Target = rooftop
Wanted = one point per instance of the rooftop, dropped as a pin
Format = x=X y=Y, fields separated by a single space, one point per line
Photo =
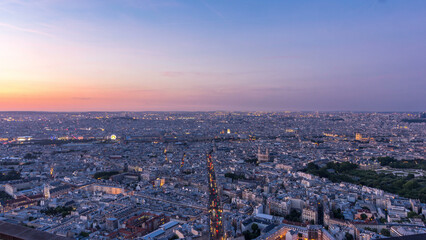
x=13 y=231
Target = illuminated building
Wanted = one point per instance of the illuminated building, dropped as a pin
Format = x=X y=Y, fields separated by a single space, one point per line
x=139 y=225
x=310 y=214
x=46 y=190
x=358 y=137
x=13 y=188
x=22 y=201
x=293 y=232
x=58 y=191
x=276 y=206
x=159 y=182
x=24 y=138
x=263 y=157
x=105 y=188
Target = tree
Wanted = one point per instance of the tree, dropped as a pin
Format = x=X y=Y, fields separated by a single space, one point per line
x=349 y=236
x=29 y=156
x=84 y=234
x=246 y=234
x=410 y=176
x=252 y=161
x=174 y=237
x=412 y=214
x=252 y=234
x=254 y=227
x=105 y=175
x=338 y=214
x=411 y=184
x=385 y=232
x=312 y=167
x=294 y=216
x=371 y=229
x=11 y=175
x=235 y=176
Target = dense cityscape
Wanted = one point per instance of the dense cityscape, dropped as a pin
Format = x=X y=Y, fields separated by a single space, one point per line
x=212 y=175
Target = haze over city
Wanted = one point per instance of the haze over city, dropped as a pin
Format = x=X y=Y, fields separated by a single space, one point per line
x=212 y=55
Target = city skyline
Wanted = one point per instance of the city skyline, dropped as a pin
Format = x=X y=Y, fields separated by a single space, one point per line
x=212 y=175
x=207 y=56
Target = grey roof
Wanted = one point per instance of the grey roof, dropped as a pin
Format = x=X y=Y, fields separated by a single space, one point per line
x=60 y=188
x=409 y=237
x=13 y=231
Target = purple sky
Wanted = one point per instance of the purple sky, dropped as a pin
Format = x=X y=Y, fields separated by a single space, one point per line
x=364 y=55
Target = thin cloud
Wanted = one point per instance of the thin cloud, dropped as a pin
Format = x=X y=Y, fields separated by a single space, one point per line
x=206 y=74
x=184 y=74
x=282 y=57
x=21 y=29
x=145 y=90
x=278 y=89
x=6 y=10
x=216 y=12
x=150 y=4
x=82 y=98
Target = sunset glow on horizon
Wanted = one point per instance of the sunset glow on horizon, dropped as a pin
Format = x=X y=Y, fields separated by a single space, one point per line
x=212 y=55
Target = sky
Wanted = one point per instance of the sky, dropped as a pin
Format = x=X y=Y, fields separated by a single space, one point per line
x=201 y=55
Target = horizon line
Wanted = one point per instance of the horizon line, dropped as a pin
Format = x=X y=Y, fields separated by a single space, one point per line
x=207 y=111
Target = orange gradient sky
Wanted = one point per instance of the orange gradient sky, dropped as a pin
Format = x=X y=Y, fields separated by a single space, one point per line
x=131 y=55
